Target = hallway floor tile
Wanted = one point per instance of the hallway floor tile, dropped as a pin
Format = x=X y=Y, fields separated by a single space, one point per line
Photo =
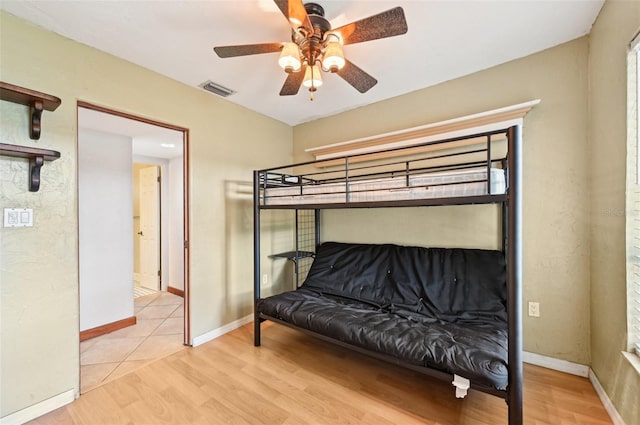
x=158 y=332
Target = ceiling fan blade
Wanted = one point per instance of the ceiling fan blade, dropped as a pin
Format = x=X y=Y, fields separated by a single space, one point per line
x=247 y=49
x=385 y=24
x=355 y=76
x=295 y=13
x=293 y=82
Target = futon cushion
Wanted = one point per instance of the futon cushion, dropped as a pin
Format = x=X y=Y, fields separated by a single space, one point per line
x=434 y=307
x=476 y=352
x=448 y=284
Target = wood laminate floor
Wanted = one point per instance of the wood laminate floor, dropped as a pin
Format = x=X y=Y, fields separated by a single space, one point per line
x=297 y=379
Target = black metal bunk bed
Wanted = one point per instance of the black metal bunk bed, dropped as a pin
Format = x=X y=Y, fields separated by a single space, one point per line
x=304 y=191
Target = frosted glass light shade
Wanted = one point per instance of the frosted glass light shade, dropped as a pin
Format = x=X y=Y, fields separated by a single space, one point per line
x=290 y=58
x=312 y=77
x=333 y=57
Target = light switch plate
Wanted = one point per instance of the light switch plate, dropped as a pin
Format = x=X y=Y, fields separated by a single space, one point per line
x=18 y=217
x=534 y=309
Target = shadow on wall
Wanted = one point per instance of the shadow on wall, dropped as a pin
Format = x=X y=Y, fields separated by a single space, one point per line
x=276 y=236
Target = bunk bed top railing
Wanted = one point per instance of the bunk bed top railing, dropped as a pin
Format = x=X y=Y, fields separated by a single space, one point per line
x=346 y=180
x=501 y=131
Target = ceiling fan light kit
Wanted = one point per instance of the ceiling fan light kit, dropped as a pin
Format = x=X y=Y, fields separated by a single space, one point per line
x=333 y=58
x=315 y=46
x=312 y=78
x=290 y=58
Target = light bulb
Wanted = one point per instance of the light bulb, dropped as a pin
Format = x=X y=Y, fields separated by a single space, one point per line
x=290 y=58
x=312 y=78
x=333 y=59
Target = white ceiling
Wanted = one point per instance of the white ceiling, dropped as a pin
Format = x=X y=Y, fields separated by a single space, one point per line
x=446 y=40
x=147 y=139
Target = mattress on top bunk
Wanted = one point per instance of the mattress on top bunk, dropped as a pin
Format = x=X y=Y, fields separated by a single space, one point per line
x=447 y=184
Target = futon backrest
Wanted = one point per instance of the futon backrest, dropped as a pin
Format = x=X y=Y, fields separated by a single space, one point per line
x=444 y=284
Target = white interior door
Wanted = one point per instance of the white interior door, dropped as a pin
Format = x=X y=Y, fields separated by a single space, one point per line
x=149 y=227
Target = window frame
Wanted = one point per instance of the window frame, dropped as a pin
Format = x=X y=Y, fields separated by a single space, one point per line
x=633 y=197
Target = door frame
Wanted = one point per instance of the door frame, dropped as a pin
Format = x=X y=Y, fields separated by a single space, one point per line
x=185 y=190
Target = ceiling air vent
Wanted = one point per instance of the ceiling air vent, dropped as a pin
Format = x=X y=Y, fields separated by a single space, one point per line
x=217 y=89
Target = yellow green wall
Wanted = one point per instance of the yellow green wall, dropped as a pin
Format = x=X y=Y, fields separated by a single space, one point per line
x=616 y=26
x=574 y=156
x=38 y=266
x=556 y=175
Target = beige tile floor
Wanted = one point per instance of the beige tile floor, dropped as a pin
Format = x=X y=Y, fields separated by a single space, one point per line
x=158 y=332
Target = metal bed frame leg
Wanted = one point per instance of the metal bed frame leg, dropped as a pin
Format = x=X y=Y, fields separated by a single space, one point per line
x=514 y=275
x=296 y=258
x=256 y=257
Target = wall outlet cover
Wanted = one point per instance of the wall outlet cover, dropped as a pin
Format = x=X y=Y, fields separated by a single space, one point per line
x=18 y=217
x=534 y=309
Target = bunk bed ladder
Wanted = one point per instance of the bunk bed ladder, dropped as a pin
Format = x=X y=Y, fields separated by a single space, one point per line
x=307 y=235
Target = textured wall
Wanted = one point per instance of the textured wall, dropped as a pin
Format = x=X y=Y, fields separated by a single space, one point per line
x=38 y=266
x=556 y=203
x=39 y=323
x=615 y=27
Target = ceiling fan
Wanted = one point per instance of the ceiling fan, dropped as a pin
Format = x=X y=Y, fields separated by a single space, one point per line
x=316 y=46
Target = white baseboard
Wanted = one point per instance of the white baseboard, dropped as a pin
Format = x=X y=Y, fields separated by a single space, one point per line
x=606 y=401
x=556 y=364
x=580 y=370
x=199 y=340
x=29 y=413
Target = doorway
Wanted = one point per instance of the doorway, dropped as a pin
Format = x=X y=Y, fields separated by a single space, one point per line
x=155 y=253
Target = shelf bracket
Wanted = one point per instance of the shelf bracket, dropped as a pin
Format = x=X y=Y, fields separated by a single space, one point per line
x=36 y=116
x=35 y=163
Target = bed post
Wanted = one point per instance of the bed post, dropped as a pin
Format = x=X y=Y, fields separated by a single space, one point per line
x=256 y=257
x=316 y=222
x=505 y=210
x=514 y=274
x=504 y=207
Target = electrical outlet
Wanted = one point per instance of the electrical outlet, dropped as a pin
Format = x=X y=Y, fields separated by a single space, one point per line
x=265 y=279
x=534 y=309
